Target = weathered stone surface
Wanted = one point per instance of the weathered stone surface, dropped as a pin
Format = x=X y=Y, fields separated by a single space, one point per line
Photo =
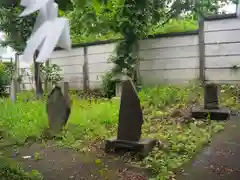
x=130 y=115
x=143 y=146
x=130 y=125
x=211 y=105
x=214 y=114
x=211 y=93
x=58 y=109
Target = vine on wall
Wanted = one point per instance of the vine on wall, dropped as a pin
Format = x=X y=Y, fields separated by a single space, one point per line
x=134 y=18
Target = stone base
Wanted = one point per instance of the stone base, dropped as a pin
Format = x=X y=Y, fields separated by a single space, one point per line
x=144 y=146
x=215 y=114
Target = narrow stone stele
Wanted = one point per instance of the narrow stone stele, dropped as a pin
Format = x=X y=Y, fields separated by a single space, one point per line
x=58 y=109
x=130 y=124
x=211 y=96
x=211 y=105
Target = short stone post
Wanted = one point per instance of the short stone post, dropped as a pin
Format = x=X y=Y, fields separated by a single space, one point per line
x=211 y=105
x=211 y=96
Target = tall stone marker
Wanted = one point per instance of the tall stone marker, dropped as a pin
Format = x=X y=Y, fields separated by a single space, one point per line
x=58 y=109
x=130 y=124
x=211 y=96
x=130 y=116
x=211 y=105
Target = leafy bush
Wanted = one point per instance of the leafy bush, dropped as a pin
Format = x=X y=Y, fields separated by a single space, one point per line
x=11 y=171
x=175 y=25
x=167 y=95
x=51 y=73
x=4 y=79
x=108 y=85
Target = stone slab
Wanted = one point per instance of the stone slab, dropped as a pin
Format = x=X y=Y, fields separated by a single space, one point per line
x=220 y=114
x=143 y=146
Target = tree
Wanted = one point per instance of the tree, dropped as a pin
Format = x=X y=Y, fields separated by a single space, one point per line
x=132 y=20
x=129 y=19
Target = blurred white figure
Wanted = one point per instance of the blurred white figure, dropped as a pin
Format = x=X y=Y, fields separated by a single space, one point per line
x=49 y=30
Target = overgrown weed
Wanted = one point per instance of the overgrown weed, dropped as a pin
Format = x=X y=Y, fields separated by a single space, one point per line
x=9 y=170
x=94 y=121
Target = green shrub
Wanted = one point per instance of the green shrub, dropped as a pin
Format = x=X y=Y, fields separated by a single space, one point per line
x=4 y=80
x=12 y=171
x=51 y=73
x=108 y=85
x=175 y=25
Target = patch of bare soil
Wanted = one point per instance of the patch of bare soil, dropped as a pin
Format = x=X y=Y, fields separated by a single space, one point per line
x=56 y=163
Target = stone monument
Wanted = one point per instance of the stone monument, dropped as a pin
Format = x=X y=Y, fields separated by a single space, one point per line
x=211 y=105
x=130 y=124
x=211 y=96
x=58 y=108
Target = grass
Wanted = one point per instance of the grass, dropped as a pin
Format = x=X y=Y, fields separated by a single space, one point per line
x=12 y=171
x=93 y=122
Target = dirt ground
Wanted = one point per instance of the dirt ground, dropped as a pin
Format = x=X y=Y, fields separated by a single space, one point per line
x=56 y=163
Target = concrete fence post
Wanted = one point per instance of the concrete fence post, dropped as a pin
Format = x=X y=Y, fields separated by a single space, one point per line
x=85 y=70
x=201 y=47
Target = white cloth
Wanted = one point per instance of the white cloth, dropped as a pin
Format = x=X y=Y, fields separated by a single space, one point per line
x=33 y=6
x=49 y=30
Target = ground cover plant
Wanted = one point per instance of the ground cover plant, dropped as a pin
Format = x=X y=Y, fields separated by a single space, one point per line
x=167 y=119
x=12 y=171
